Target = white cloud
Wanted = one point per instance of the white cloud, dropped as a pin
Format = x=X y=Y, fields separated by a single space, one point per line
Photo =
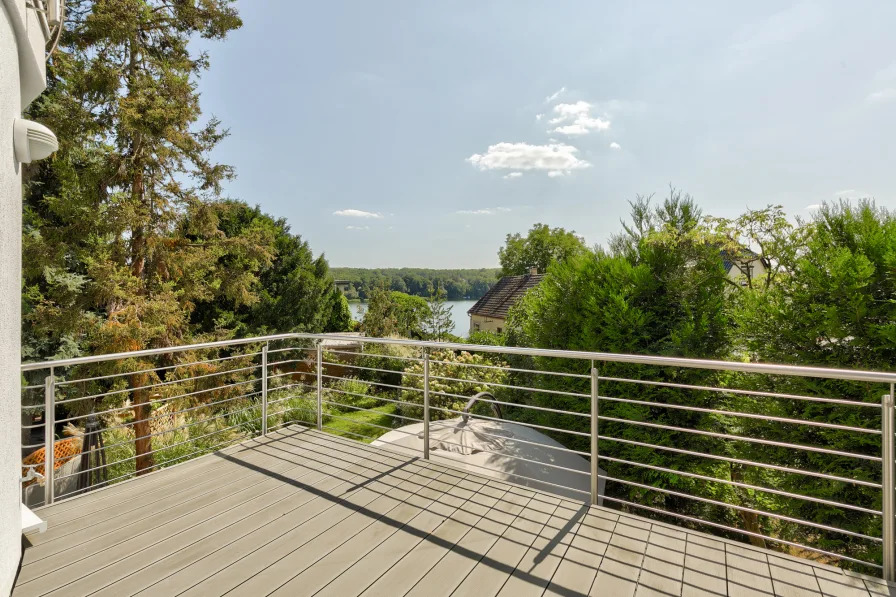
x=513 y=175
x=357 y=213
x=523 y=156
x=845 y=193
x=614 y=145
x=357 y=227
x=555 y=95
x=558 y=173
x=539 y=117
x=578 y=119
x=813 y=206
x=884 y=95
x=487 y=211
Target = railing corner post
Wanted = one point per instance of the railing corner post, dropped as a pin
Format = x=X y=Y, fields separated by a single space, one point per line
x=49 y=438
x=264 y=390
x=888 y=477
x=426 y=405
x=595 y=410
x=320 y=384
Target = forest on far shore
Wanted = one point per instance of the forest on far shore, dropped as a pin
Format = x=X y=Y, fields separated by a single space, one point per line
x=458 y=283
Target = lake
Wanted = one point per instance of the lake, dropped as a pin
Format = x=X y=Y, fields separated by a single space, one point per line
x=458 y=314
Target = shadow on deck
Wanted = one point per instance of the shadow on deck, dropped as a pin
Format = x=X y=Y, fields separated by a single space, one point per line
x=306 y=513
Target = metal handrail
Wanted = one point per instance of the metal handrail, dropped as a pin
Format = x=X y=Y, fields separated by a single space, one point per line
x=718 y=365
x=320 y=401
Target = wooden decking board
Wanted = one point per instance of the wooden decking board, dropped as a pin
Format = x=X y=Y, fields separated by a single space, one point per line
x=379 y=496
x=247 y=542
x=133 y=539
x=107 y=532
x=183 y=492
x=455 y=564
x=413 y=515
x=130 y=568
x=306 y=513
x=157 y=482
x=704 y=567
x=581 y=562
x=210 y=557
x=399 y=579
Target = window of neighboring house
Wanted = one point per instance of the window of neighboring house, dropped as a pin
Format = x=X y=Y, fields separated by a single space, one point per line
x=499 y=330
x=476 y=326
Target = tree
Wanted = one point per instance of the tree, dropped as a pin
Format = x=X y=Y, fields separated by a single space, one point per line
x=394 y=313
x=438 y=322
x=541 y=247
x=759 y=236
x=123 y=99
x=340 y=316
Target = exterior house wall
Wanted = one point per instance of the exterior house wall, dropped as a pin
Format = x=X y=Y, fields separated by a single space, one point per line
x=486 y=324
x=10 y=309
x=22 y=78
x=758 y=271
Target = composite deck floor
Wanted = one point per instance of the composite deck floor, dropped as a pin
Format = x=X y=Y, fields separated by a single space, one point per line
x=306 y=513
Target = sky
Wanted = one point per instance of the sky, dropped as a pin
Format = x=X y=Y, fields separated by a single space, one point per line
x=418 y=134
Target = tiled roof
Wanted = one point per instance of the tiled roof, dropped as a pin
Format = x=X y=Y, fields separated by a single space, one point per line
x=503 y=295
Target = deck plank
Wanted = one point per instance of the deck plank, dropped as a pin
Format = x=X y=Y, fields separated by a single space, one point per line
x=302 y=512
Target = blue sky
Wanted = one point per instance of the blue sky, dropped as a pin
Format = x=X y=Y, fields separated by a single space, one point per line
x=420 y=133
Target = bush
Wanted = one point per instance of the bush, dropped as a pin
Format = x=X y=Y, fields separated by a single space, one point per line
x=450 y=394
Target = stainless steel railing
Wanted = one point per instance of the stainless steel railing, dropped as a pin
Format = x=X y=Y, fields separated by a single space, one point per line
x=807 y=471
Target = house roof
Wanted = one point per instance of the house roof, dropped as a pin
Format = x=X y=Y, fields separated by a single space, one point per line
x=729 y=258
x=503 y=295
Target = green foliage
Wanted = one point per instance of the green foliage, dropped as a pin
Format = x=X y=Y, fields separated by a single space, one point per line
x=438 y=323
x=827 y=298
x=476 y=369
x=541 y=247
x=458 y=283
x=391 y=313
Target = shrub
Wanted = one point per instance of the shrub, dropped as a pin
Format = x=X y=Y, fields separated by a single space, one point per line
x=448 y=393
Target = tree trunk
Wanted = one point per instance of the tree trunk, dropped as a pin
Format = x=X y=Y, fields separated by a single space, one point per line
x=145 y=462
x=750 y=520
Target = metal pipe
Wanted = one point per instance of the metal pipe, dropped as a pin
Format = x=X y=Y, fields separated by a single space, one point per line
x=736 y=391
x=346 y=365
x=510 y=387
x=426 y=405
x=49 y=437
x=832 y=554
x=788 y=494
x=264 y=389
x=320 y=383
x=118 y=356
x=789 y=370
x=595 y=416
x=773 y=467
x=741 y=438
x=731 y=413
x=888 y=501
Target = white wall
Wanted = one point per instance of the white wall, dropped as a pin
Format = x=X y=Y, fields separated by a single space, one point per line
x=10 y=309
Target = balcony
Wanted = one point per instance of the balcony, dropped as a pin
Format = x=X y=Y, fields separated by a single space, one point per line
x=255 y=478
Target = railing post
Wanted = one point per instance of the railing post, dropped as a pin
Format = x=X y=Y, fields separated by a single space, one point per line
x=426 y=405
x=320 y=383
x=888 y=509
x=264 y=390
x=49 y=438
x=595 y=410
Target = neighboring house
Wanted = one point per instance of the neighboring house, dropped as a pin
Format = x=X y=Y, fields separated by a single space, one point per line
x=741 y=267
x=490 y=312
x=344 y=286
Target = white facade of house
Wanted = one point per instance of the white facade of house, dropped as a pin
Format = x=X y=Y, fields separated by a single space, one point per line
x=23 y=36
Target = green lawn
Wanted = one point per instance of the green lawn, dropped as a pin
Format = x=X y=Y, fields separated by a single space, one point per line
x=356 y=424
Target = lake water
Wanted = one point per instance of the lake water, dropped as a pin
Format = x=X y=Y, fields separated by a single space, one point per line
x=458 y=314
